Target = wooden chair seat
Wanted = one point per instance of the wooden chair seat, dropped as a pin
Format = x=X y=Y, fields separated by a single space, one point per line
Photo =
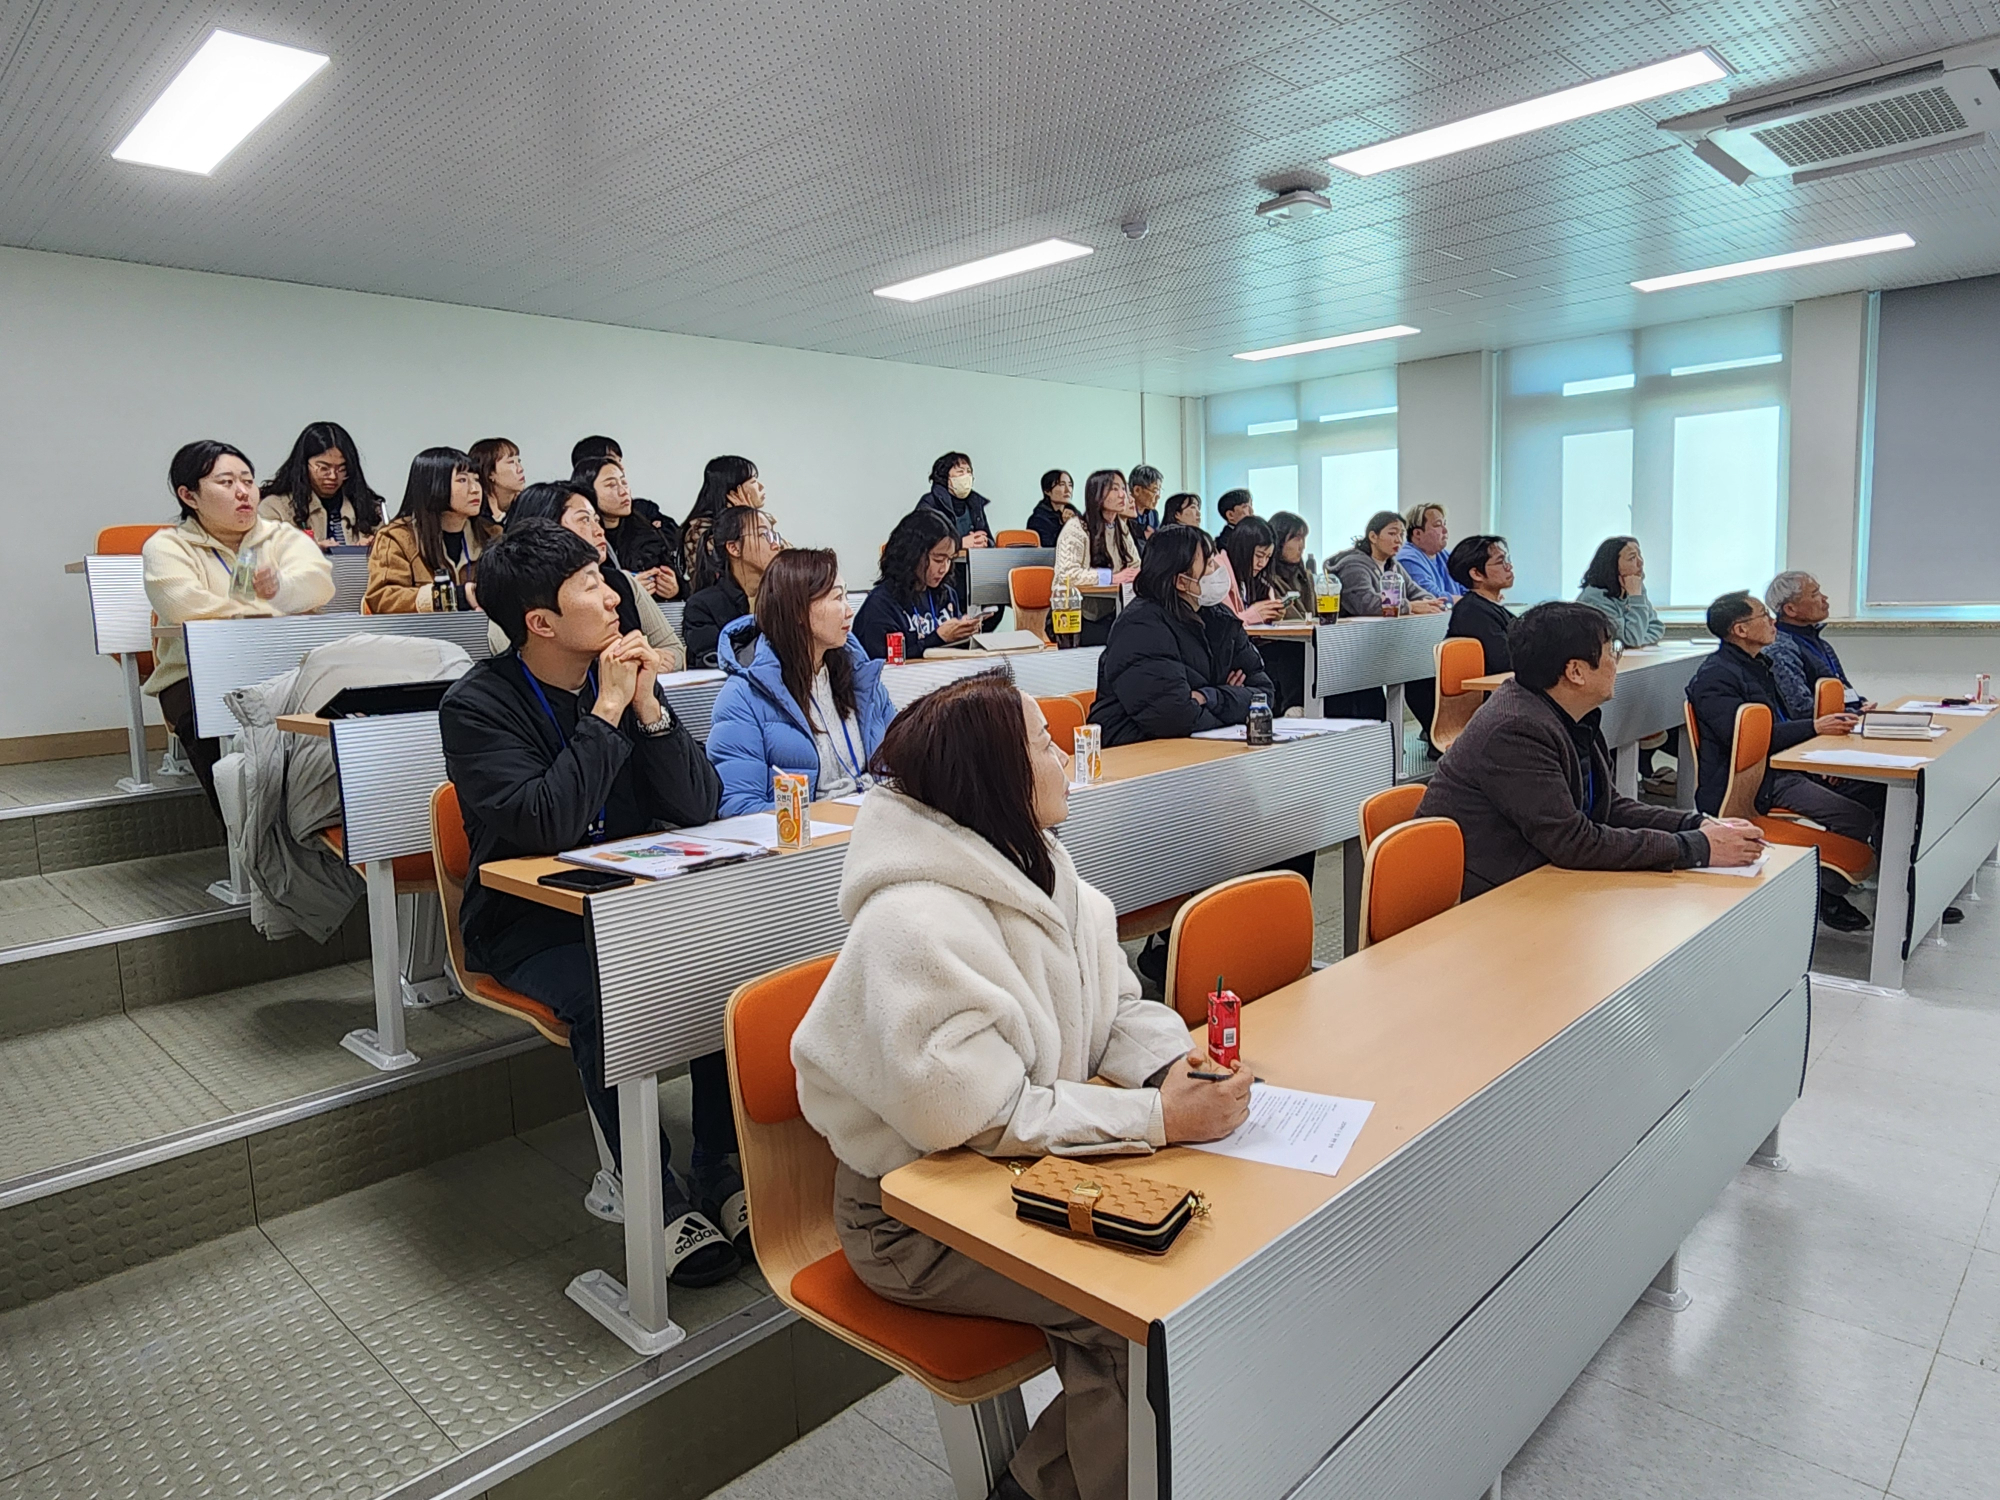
x=952 y=1350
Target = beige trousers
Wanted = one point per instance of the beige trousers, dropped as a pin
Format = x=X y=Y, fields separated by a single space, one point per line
x=1077 y=1448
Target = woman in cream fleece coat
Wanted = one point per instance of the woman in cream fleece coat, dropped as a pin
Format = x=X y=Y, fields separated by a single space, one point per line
x=980 y=988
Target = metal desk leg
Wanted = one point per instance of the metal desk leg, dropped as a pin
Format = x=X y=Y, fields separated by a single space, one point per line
x=421 y=943
x=1352 y=860
x=1625 y=770
x=1892 y=893
x=638 y=1316
x=135 y=728
x=1769 y=1156
x=1397 y=703
x=980 y=1439
x=383 y=1047
x=235 y=891
x=1142 y=1437
x=1666 y=1290
x=1493 y=1490
x=1315 y=705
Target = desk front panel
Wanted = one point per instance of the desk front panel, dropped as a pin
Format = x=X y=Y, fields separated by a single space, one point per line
x=1651 y=698
x=1950 y=787
x=670 y=952
x=388 y=768
x=987 y=569
x=121 y=616
x=1270 y=1367
x=693 y=704
x=1362 y=653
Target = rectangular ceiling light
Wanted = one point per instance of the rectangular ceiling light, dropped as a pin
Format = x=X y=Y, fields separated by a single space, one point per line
x=1559 y=108
x=1785 y=262
x=1602 y=383
x=977 y=272
x=1338 y=341
x=226 y=91
x=1727 y=364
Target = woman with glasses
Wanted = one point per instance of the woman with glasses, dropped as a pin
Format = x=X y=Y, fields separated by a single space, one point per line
x=748 y=539
x=320 y=489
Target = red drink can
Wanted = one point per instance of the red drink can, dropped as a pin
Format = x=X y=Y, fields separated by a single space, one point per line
x=895 y=648
x=1225 y=1016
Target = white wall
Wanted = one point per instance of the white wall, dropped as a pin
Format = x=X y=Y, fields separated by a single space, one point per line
x=109 y=367
x=1444 y=437
x=1829 y=348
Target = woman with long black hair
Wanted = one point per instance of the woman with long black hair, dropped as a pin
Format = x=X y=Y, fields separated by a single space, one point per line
x=727 y=480
x=425 y=558
x=320 y=488
x=911 y=597
x=639 y=543
x=1098 y=549
x=572 y=507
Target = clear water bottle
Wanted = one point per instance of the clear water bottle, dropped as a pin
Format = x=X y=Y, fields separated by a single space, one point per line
x=1257 y=727
x=243 y=577
x=1392 y=591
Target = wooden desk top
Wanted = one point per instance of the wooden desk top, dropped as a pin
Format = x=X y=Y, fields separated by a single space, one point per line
x=1956 y=731
x=312 y=724
x=1636 y=659
x=1283 y=630
x=519 y=877
x=968 y=653
x=1417 y=1024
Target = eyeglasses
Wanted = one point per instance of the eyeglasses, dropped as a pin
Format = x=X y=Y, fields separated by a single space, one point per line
x=1617 y=650
x=322 y=470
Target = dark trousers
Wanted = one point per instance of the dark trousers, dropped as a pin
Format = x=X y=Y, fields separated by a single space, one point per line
x=565 y=980
x=1095 y=632
x=1421 y=698
x=1363 y=703
x=1285 y=664
x=1852 y=808
x=177 y=708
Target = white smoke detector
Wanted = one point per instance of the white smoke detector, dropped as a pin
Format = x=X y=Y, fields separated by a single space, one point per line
x=1294 y=203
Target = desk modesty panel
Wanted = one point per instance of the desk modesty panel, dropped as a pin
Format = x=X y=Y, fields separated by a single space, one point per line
x=121 y=616
x=1369 y=653
x=1652 y=693
x=388 y=767
x=224 y=655
x=670 y=952
x=1275 y=1327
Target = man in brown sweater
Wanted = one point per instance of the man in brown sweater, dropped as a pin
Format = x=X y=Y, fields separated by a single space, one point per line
x=1529 y=781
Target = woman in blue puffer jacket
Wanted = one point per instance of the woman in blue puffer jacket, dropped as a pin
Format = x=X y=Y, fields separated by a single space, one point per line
x=810 y=701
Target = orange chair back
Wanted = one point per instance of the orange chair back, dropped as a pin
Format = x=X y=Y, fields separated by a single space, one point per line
x=1256 y=931
x=1749 y=751
x=1087 y=697
x=760 y=1038
x=450 y=860
x=125 y=541
x=1829 y=697
x=1413 y=872
x=1384 y=810
x=1065 y=716
x=1029 y=588
x=1016 y=539
x=1457 y=659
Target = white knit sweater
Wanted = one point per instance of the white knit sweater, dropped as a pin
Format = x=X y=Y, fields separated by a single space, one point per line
x=967 y=1008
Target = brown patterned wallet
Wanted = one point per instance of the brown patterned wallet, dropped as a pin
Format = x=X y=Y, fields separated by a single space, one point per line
x=1139 y=1213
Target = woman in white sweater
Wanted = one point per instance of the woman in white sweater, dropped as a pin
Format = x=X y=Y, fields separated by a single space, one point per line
x=979 y=991
x=1097 y=548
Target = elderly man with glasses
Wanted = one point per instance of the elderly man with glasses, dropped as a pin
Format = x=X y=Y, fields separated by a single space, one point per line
x=1800 y=654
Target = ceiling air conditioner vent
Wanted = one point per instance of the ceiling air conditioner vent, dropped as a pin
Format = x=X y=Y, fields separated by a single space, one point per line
x=1907 y=110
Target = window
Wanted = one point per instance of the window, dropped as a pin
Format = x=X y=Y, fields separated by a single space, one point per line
x=1325 y=449
x=1674 y=435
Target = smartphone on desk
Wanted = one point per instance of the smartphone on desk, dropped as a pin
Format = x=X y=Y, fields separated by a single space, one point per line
x=585 y=882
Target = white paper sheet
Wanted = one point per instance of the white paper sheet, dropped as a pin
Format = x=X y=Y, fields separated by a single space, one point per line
x=1968 y=710
x=1748 y=872
x=1864 y=758
x=1291 y=1128
x=852 y=799
x=690 y=677
x=1287 y=729
x=760 y=829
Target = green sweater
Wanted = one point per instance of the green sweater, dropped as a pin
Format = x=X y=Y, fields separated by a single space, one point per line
x=1633 y=618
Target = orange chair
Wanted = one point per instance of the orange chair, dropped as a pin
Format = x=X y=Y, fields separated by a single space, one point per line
x=1256 y=931
x=1384 y=810
x=1087 y=697
x=1412 y=872
x=1458 y=658
x=964 y=1362
x=1829 y=697
x=450 y=859
x=1749 y=755
x=1016 y=539
x=1028 y=590
x=1065 y=716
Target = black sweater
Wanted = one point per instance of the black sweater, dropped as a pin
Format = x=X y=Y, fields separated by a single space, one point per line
x=1046 y=522
x=918 y=620
x=1721 y=685
x=1484 y=621
x=524 y=791
x=1157 y=660
x=706 y=613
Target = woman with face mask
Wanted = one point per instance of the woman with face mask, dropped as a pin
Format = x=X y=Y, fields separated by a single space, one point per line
x=1178 y=661
x=952 y=496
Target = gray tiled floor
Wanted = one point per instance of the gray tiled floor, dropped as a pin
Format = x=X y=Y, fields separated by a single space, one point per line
x=1844 y=1340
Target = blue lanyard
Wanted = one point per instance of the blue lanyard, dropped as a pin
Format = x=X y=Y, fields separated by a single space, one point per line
x=1589 y=785
x=852 y=765
x=594 y=834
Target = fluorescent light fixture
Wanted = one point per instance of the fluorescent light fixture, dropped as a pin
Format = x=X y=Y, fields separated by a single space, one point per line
x=1559 y=108
x=1352 y=416
x=992 y=268
x=1338 y=341
x=226 y=91
x=1259 y=429
x=1602 y=383
x=1726 y=364
x=1785 y=262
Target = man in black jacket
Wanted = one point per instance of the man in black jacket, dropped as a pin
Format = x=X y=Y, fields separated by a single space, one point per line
x=1737 y=674
x=1529 y=780
x=563 y=741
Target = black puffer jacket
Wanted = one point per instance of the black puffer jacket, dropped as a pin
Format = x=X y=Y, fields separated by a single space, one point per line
x=1721 y=685
x=1157 y=662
